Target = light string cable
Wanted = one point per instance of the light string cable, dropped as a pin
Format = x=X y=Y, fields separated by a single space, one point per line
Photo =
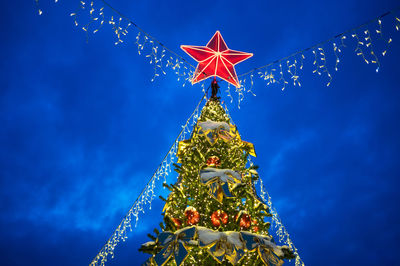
x=287 y=68
x=280 y=229
x=156 y=51
x=280 y=71
x=277 y=224
x=147 y=194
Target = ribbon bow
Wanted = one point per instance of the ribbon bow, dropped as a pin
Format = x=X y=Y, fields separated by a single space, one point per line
x=221 y=245
x=173 y=245
x=269 y=253
x=213 y=130
x=218 y=179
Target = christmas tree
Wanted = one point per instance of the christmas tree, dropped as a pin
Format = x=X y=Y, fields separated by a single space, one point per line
x=213 y=214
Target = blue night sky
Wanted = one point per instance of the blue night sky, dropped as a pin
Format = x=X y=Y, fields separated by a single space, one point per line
x=82 y=127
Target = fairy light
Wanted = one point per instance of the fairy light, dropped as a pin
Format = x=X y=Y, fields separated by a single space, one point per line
x=369 y=44
x=335 y=51
x=146 y=45
x=320 y=63
x=315 y=63
x=281 y=231
x=302 y=57
x=153 y=58
x=147 y=195
x=40 y=12
x=276 y=221
x=228 y=92
x=268 y=76
x=342 y=41
x=282 y=77
x=119 y=28
x=239 y=90
x=380 y=33
x=358 y=48
x=94 y=18
x=397 y=23
x=324 y=66
x=292 y=70
x=320 y=56
x=140 y=46
x=250 y=90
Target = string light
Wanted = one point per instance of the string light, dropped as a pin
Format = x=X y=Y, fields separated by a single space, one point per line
x=292 y=70
x=359 y=51
x=320 y=55
x=302 y=57
x=228 y=92
x=369 y=44
x=379 y=31
x=282 y=77
x=252 y=84
x=342 y=41
x=40 y=12
x=119 y=23
x=147 y=195
x=323 y=66
x=146 y=44
x=280 y=230
x=335 y=51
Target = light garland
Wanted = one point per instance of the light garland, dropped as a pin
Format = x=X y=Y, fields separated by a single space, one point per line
x=147 y=195
x=278 y=72
x=280 y=230
x=95 y=18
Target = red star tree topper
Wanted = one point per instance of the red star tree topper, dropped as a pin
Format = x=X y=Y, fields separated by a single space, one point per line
x=216 y=60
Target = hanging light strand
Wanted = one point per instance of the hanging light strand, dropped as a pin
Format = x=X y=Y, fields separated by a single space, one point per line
x=276 y=222
x=342 y=36
x=148 y=193
x=277 y=72
x=161 y=57
x=280 y=229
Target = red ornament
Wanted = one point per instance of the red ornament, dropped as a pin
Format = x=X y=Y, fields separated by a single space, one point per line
x=213 y=161
x=219 y=217
x=255 y=226
x=215 y=60
x=177 y=222
x=245 y=221
x=192 y=215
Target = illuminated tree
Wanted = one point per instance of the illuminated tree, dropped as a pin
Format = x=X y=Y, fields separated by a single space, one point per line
x=213 y=214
